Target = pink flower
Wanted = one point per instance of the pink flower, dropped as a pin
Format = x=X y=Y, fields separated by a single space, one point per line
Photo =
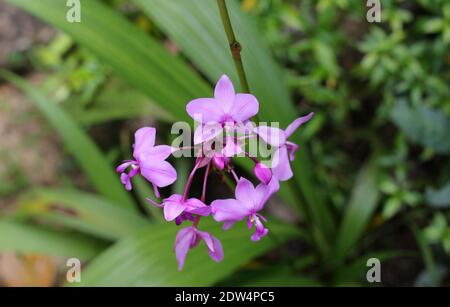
x=149 y=160
x=226 y=106
x=190 y=237
x=222 y=112
x=285 y=151
x=249 y=201
x=174 y=206
x=262 y=172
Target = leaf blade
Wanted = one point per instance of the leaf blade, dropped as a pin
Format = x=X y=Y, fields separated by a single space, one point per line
x=147 y=259
x=87 y=154
x=25 y=238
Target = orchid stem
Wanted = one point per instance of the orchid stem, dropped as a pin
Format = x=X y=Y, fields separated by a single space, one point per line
x=189 y=181
x=235 y=46
x=205 y=182
x=236 y=178
x=229 y=182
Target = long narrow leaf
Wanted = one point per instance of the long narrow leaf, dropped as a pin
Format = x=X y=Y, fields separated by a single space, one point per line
x=81 y=211
x=89 y=157
x=362 y=205
x=134 y=56
x=147 y=258
x=25 y=238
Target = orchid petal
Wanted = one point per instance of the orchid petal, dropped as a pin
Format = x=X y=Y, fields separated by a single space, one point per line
x=217 y=254
x=228 y=210
x=292 y=148
x=173 y=209
x=271 y=135
x=281 y=168
x=160 y=152
x=244 y=107
x=205 y=110
x=260 y=231
x=126 y=181
x=263 y=192
x=122 y=167
x=224 y=93
x=182 y=244
x=245 y=193
x=207 y=238
x=196 y=206
x=154 y=203
x=160 y=173
x=144 y=139
x=297 y=123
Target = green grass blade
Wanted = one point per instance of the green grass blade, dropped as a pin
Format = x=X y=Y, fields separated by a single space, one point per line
x=361 y=207
x=137 y=58
x=82 y=212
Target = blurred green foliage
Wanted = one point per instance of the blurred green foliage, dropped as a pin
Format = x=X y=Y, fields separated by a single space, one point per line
x=379 y=145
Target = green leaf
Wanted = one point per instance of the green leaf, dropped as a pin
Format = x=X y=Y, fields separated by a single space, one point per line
x=139 y=59
x=147 y=258
x=81 y=211
x=25 y=238
x=432 y=25
x=362 y=205
x=391 y=207
x=357 y=269
x=110 y=105
x=199 y=32
x=438 y=198
x=94 y=164
x=423 y=125
x=280 y=275
x=432 y=269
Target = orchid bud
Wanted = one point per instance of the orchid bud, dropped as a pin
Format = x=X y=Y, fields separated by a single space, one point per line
x=220 y=161
x=262 y=172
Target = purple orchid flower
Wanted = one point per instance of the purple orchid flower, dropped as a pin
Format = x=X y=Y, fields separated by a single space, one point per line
x=223 y=111
x=226 y=106
x=149 y=160
x=190 y=237
x=175 y=206
x=249 y=201
x=285 y=151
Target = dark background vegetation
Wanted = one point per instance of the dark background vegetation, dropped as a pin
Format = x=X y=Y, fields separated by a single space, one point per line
x=378 y=148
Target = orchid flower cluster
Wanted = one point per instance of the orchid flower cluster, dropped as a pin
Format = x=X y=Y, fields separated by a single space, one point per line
x=223 y=130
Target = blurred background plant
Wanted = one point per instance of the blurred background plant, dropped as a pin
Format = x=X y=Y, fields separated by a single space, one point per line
x=372 y=178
